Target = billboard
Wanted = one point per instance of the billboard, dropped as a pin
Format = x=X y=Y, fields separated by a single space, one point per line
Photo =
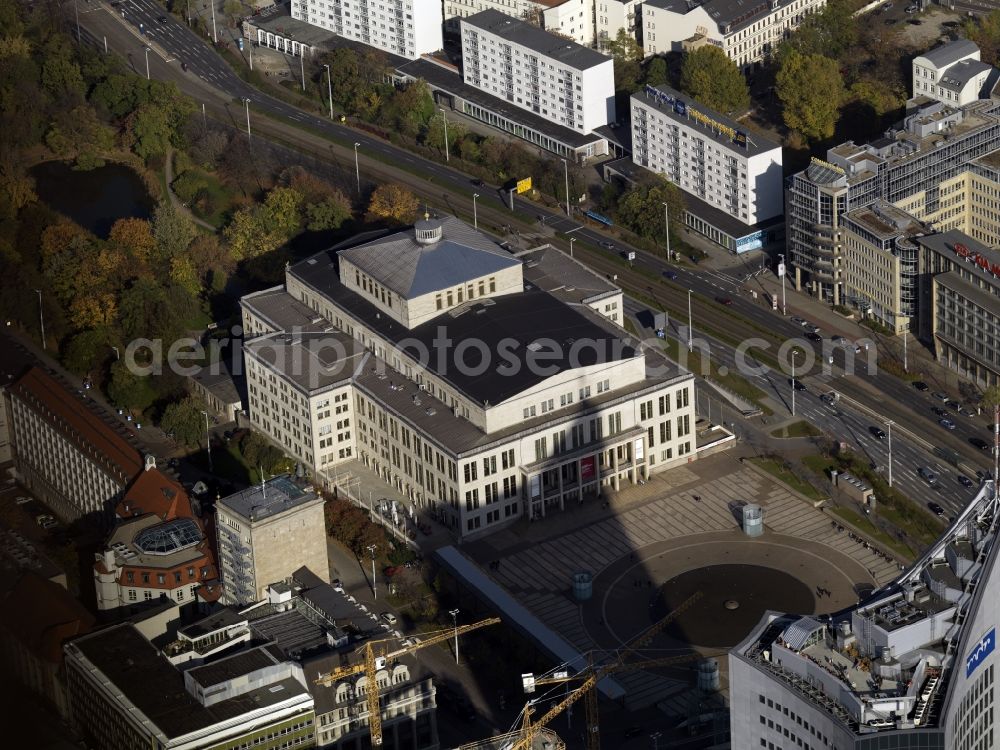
x=980 y=651
x=588 y=468
x=523 y=186
x=536 y=486
x=638 y=450
x=781 y=269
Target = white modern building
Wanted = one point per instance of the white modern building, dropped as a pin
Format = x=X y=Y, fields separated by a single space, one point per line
x=952 y=73
x=408 y=28
x=746 y=31
x=569 y=84
x=712 y=158
x=913 y=665
x=421 y=355
x=266 y=532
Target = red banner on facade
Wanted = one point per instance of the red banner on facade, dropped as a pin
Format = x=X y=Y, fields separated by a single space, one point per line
x=588 y=467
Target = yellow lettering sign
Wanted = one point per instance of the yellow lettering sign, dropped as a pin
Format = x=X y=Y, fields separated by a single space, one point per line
x=523 y=186
x=828 y=165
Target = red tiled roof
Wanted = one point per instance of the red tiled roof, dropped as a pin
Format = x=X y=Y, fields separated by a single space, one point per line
x=43 y=615
x=155 y=492
x=60 y=408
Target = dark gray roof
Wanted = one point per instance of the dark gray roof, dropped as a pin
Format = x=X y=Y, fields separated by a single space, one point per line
x=278 y=495
x=736 y=13
x=237 y=665
x=223 y=618
x=410 y=269
x=950 y=53
x=292 y=631
x=959 y=74
x=670 y=100
x=154 y=686
x=523 y=33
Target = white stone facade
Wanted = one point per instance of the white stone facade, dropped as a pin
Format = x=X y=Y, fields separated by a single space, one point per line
x=408 y=28
x=952 y=73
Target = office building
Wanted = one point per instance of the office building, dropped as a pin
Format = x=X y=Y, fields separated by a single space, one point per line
x=880 y=263
x=64 y=453
x=938 y=166
x=267 y=531
x=952 y=73
x=158 y=548
x=534 y=70
x=408 y=28
x=960 y=304
x=455 y=412
x=710 y=157
x=913 y=665
x=125 y=695
x=747 y=32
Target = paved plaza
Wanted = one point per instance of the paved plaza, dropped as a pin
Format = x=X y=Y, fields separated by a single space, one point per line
x=646 y=536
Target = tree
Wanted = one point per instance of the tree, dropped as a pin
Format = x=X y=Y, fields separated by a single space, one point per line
x=641 y=209
x=172 y=230
x=811 y=89
x=394 y=202
x=84 y=352
x=985 y=32
x=329 y=213
x=656 y=72
x=134 y=236
x=232 y=8
x=128 y=390
x=409 y=110
x=257 y=230
x=185 y=420
x=627 y=53
x=713 y=79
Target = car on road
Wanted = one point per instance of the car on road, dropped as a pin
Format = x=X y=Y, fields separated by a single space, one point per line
x=812 y=328
x=939 y=411
x=813 y=336
x=979 y=443
x=829 y=398
x=947 y=424
x=800 y=322
x=964 y=480
x=478 y=183
x=934 y=508
x=952 y=404
x=389 y=618
x=670 y=275
x=877 y=432
x=724 y=301
x=911 y=9
x=796 y=384
x=927 y=475
x=608 y=245
x=921 y=386
x=940 y=396
x=162 y=19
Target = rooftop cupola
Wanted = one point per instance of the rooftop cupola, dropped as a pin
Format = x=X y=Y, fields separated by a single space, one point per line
x=428 y=231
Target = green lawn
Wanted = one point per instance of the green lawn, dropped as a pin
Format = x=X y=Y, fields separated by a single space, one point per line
x=796 y=430
x=822 y=465
x=227 y=463
x=873 y=532
x=776 y=469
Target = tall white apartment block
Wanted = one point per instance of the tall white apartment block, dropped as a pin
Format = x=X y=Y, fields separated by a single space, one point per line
x=565 y=82
x=746 y=32
x=408 y=28
x=707 y=154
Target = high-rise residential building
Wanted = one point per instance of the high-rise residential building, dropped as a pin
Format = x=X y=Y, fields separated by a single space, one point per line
x=913 y=665
x=70 y=459
x=125 y=695
x=267 y=531
x=880 y=263
x=938 y=166
x=408 y=28
x=952 y=73
x=715 y=160
x=747 y=32
x=511 y=59
x=481 y=398
x=959 y=304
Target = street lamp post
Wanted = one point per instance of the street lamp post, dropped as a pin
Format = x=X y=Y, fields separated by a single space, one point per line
x=250 y=52
x=566 y=176
x=795 y=353
x=475 y=215
x=690 y=325
x=208 y=441
x=302 y=65
x=357 y=169
x=76 y=10
x=571 y=241
x=215 y=36
x=444 y=118
x=118 y=355
x=781 y=273
x=246 y=103
x=666 y=225
x=329 y=88
x=454 y=618
x=905 y=365
x=146 y=50
x=371 y=550
x=889 y=423
x=41 y=316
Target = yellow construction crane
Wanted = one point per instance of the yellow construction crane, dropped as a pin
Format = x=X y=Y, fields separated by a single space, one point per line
x=591 y=675
x=376 y=654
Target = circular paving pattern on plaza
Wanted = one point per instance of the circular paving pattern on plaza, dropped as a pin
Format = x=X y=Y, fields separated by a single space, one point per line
x=734 y=597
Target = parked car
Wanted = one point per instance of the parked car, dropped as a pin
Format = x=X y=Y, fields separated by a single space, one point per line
x=800 y=321
x=389 y=618
x=936 y=509
x=939 y=411
x=921 y=386
x=964 y=480
x=927 y=475
x=813 y=336
x=337 y=585
x=947 y=424
x=22 y=500
x=812 y=328
x=877 y=432
x=48 y=523
x=979 y=443
x=940 y=396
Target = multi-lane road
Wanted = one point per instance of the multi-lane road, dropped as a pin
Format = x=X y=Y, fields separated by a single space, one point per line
x=132 y=25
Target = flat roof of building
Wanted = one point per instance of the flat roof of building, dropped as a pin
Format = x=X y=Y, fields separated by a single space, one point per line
x=278 y=495
x=133 y=539
x=156 y=688
x=223 y=618
x=282 y=24
x=886 y=221
x=524 y=34
x=679 y=107
x=951 y=244
x=312 y=361
x=565 y=278
x=236 y=665
x=450 y=82
x=736 y=13
x=283 y=312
